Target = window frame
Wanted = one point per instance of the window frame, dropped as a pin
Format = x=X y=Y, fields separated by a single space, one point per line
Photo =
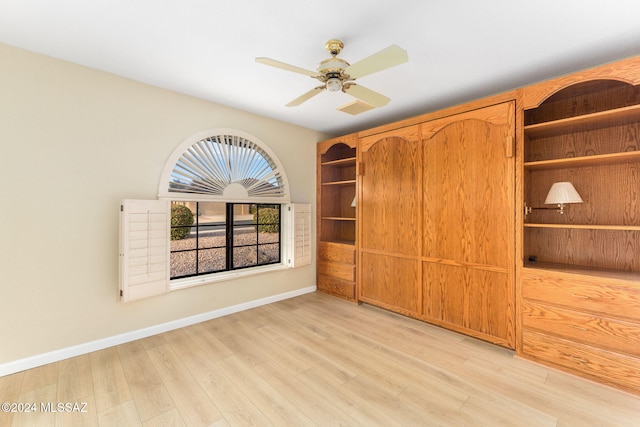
x=288 y=246
x=230 y=244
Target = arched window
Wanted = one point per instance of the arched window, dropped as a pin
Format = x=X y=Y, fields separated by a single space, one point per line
x=226 y=165
x=226 y=189
x=223 y=206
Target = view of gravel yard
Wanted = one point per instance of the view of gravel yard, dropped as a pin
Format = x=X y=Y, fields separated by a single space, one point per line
x=199 y=238
x=266 y=251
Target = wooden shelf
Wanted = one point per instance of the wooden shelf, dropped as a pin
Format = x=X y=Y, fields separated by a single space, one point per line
x=346 y=162
x=336 y=218
x=596 y=160
x=587 y=271
x=587 y=121
x=341 y=242
x=586 y=226
x=340 y=183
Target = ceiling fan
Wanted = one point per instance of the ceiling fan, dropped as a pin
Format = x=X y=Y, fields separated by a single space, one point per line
x=336 y=74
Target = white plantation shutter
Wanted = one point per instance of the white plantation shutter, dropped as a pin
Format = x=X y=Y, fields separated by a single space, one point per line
x=144 y=248
x=299 y=235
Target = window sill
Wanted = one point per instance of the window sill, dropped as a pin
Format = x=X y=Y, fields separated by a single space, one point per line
x=189 y=282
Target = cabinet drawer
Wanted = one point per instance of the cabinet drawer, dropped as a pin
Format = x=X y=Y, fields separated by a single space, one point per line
x=337 y=287
x=602 y=332
x=606 y=367
x=618 y=298
x=336 y=252
x=338 y=270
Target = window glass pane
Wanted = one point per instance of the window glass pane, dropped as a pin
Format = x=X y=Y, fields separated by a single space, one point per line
x=210 y=260
x=211 y=225
x=182 y=221
x=244 y=235
x=273 y=236
x=269 y=254
x=202 y=230
x=243 y=213
x=244 y=256
x=183 y=243
x=211 y=236
x=183 y=264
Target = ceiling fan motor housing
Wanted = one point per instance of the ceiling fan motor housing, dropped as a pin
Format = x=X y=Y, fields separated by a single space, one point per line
x=332 y=73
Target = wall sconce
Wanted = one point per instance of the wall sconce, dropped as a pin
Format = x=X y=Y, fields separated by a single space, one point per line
x=559 y=194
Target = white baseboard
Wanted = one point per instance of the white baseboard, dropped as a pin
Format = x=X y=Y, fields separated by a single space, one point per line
x=77 y=350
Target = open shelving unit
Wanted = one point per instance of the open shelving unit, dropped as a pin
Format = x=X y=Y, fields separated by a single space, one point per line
x=580 y=303
x=586 y=134
x=337 y=217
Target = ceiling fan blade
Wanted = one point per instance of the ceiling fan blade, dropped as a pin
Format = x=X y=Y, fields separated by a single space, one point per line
x=278 y=64
x=386 y=58
x=305 y=97
x=367 y=95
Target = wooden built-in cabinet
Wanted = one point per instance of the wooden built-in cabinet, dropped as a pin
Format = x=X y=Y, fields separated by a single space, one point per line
x=436 y=228
x=468 y=247
x=441 y=233
x=336 y=217
x=580 y=300
x=390 y=223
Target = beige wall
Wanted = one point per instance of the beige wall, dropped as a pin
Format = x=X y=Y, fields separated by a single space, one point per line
x=73 y=142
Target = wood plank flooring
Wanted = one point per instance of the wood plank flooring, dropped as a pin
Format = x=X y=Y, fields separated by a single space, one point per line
x=313 y=360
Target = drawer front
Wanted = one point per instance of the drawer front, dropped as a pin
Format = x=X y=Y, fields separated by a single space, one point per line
x=335 y=269
x=602 y=332
x=584 y=294
x=606 y=367
x=337 y=287
x=338 y=253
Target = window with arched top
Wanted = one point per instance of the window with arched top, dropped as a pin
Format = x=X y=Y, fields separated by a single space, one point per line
x=224 y=164
x=223 y=210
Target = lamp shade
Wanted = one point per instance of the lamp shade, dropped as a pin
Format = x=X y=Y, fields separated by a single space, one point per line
x=562 y=192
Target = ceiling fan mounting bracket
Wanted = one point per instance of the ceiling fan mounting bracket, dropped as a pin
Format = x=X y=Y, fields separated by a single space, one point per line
x=334 y=47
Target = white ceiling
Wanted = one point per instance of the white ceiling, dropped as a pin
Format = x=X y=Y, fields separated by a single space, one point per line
x=459 y=50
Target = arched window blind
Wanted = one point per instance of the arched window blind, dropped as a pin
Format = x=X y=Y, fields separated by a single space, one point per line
x=227 y=165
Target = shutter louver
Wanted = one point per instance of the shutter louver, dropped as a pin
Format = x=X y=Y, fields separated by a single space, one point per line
x=144 y=248
x=300 y=235
x=212 y=164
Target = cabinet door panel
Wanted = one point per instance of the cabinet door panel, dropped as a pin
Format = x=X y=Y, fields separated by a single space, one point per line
x=468 y=245
x=390 y=227
x=390 y=202
x=468 y=194
x=391 y=282
x=470 y=298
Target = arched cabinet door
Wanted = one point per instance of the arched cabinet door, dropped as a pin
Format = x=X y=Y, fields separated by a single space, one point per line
x=389 y=207
x=468 y=243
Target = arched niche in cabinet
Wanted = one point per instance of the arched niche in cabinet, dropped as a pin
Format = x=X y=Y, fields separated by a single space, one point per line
x=588 y=134
x=337 y=177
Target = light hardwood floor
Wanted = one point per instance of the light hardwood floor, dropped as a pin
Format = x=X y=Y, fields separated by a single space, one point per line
x=313 y=360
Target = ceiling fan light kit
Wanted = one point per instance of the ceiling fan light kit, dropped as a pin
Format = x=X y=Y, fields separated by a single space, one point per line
x=336 y=74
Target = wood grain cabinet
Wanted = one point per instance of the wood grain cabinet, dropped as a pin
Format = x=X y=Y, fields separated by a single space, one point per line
x=437 y=226
x=336 y=217
x=445 y=234
x=581 y=275
x=468 y=248
x=390 y=225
